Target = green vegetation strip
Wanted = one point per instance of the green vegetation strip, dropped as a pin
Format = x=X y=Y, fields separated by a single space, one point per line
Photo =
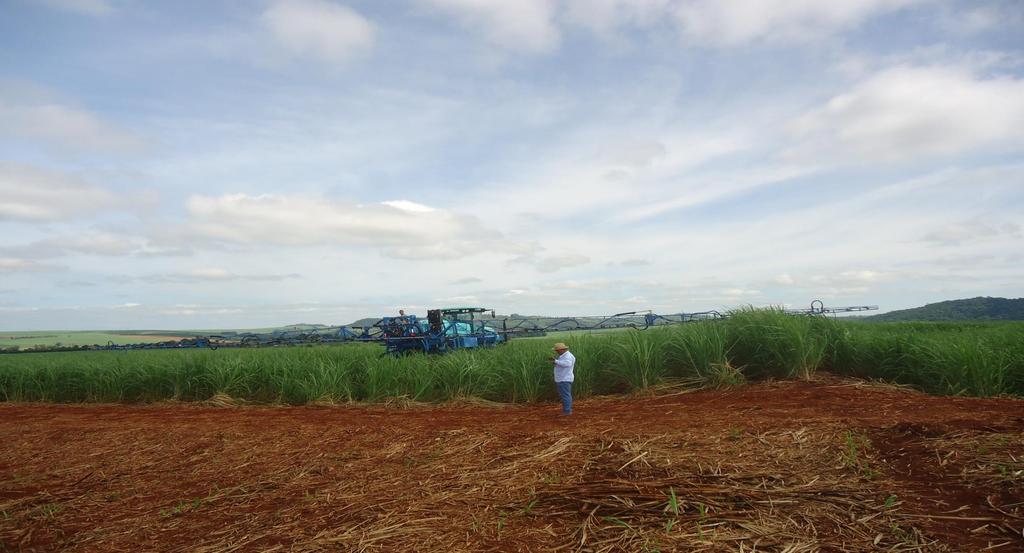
x=978 y=359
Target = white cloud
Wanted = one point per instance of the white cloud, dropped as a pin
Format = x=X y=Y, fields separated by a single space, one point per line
x=31 y=194
x=64 y=128
x=215 y=274
x=409 y=231
x=726 y=23
x=785 y=279
x=981 y=17
x=211 y=274
x=906 y=113
x=613 y=295
x=634 y=262
x=734 y=22
x=535 y=25
x=88 y=242
x=99 y=243
x=16 y=265
x=406 y=205
x=552 y=263
x=859 y=276
x=522 y=25
x=86 y=7
x=972 y=231
x=453 y=300
x=199 y=310
x=605 y=16
x=841 y=283
x=320 y=29
x=738 y=293
x=692 y=191
x=636 y=175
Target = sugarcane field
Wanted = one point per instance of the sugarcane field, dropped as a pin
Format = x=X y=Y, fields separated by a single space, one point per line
x=716 y=435
x=577 y=276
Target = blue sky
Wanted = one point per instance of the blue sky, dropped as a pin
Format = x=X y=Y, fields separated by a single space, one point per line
x=248 y=163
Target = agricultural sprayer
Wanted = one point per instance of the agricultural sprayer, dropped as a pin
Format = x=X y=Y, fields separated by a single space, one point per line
x=450 y=329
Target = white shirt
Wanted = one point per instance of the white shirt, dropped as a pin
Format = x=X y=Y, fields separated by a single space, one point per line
x=563 y=367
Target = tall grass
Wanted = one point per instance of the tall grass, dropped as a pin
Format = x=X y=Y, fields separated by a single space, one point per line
x=958 y=359
x=986 y=360
x=640 y=358
x=698 y=349
x=464 y=374
x=770 y=343
x=522 y=377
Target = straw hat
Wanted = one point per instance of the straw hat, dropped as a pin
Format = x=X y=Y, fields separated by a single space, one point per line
x=560 y=346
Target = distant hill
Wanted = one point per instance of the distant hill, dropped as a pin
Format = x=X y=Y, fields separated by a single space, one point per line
x=973 y=309
x=361 y=323
x=302 y=326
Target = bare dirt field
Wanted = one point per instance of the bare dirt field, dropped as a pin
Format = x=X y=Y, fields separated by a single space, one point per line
x=828 y=465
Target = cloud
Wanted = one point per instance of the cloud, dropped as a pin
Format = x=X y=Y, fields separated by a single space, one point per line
x=460 y=300
x=972 y=231
x=37 y=195
x=965 y=261
x=319 y=29
x=85 y=7
x=194 y=310
x=737 y=293
x=735 y=22
x=400 y=229
x=467 y=280
x=908 y=113
x=629 y=263
x=552 y=263
x=77 y=284
x=17 y=265
x=689 y=191
x=633 y=174
x=406 y=205
x=522 y=25
x=99 y=243
x=978 y=20
x=730 y=23
x=842 y=283
x=536 y=25
x=785 y=279
x=635 y=154
x=88 y=242
x=214 y=274
x=982 y=18
x=606 y=16
x=46 y=120
x=615 y=295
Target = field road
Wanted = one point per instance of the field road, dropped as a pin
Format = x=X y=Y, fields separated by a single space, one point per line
x=830 y=464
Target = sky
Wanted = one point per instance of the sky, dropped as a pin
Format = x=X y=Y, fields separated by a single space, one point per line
x=253 y=163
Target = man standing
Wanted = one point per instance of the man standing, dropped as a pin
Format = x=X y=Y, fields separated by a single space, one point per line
x=564 y=362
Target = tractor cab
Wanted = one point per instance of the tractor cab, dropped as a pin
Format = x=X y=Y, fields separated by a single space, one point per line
x=443 y=330
x=465 y=326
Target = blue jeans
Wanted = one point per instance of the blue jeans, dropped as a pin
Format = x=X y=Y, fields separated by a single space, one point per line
x=565 y=394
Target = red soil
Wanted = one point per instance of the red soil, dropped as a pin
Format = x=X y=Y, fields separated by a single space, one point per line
x=888 y=468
